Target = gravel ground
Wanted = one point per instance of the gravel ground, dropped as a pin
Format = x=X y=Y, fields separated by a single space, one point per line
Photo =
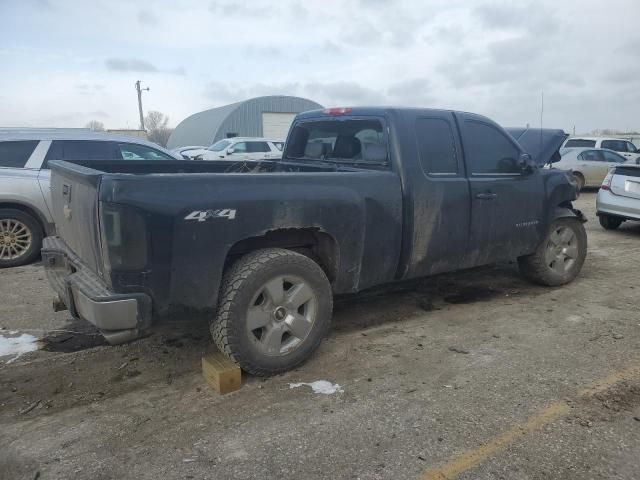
x=429 y=370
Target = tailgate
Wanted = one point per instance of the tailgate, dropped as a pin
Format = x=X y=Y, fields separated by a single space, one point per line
x=626 y=181
x=74 y=192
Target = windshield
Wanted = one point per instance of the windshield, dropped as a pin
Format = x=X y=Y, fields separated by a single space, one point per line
x=338 y=140
x=219 y=145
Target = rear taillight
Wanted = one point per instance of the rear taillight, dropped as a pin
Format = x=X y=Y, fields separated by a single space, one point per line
x=123 y=235
x=606 y=183
x=337 y=111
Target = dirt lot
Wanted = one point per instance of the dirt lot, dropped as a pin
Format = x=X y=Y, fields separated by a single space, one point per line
x=478 y=375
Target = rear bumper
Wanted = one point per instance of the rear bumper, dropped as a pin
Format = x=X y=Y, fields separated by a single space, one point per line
x=120 y=317
x=608 y=203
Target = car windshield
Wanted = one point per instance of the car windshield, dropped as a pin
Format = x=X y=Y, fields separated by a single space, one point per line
x=347 y=141
x=219 y=145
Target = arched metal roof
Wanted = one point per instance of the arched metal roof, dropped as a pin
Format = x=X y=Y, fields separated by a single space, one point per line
x=243 y=118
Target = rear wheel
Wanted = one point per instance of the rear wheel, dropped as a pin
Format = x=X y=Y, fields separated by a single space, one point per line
x=274 y=309
x=20 y=238
x=609 y=223
x=560 y=256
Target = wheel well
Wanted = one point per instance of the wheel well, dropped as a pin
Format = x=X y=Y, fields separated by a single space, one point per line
x=319 y=246
x=28 y=210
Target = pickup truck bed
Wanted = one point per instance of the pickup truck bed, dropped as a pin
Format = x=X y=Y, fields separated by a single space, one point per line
x=360 y=198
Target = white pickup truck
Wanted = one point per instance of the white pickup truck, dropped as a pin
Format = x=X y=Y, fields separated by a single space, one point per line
x=25 y=200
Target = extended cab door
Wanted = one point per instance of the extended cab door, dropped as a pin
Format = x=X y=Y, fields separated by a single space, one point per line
x=436 y=194
x=506 y=202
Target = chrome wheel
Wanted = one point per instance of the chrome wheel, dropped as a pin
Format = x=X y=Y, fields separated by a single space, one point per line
x=281 y=315
x=15 y=239
x=562 y=250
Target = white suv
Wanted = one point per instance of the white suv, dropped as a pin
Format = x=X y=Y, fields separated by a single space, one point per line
x=243 y=148
x=25 y=197
x=620 y=145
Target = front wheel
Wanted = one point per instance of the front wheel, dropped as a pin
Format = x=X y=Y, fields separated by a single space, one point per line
x=560 y=256
x=610 y=223
x=274 y=310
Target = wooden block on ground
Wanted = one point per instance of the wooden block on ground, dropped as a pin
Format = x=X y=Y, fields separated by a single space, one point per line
x=221 y=373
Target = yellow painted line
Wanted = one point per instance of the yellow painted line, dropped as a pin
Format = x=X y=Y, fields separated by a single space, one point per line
x=464 y=461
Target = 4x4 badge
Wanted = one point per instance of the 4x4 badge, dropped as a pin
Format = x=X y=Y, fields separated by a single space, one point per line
x=203 y=215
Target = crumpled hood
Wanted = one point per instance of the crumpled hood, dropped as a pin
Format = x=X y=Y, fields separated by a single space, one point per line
x=541 y=143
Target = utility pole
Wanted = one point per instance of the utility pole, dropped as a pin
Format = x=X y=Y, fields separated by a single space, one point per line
x=139 y=90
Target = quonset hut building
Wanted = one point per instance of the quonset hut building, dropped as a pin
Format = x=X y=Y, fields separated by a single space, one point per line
x=268 y=117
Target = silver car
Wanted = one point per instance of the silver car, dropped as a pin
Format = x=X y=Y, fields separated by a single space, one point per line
x=589 y=165
x=25 y=200
x=619 y=196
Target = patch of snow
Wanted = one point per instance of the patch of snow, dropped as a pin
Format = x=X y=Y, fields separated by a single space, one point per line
x=17 y=345
x=320 y=386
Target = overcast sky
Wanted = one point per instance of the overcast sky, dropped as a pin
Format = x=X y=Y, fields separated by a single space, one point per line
x=65 y=62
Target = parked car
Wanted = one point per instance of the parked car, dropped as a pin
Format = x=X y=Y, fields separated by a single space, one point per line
x=361 y=197
x=619 y=197
x=243 y=148
x=189 y=152
x=624 y=147
x=589 y=165
x=25 y=201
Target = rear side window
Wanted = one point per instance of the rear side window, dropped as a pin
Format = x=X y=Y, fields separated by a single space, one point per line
x=279 y=145
x=257 y=147
x=631 y=147
x=489 y=151
x=82 y=150
x=436 y=146
x=132 y=151
x=579 y=142
x=615 y=145
x=591 y=156
x=15 y=154
x=346 y=141
x=613 y=157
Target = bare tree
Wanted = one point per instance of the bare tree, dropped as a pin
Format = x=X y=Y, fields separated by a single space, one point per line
x=95 y=125
x=156 y=125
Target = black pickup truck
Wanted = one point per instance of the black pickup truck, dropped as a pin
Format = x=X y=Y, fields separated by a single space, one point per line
x=361 y=197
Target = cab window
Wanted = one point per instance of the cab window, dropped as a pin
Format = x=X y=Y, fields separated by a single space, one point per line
x=489 y=151
x=436 y=146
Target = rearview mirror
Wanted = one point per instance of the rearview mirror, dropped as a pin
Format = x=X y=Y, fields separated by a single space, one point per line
x=230 y=151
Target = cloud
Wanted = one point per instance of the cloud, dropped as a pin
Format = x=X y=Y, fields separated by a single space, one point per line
x=90 y=89
x=533 y=17
x=227 y=8
x=129 y=65
x=145 y=17
x=137 y=65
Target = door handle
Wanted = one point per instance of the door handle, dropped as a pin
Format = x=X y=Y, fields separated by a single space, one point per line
x=486 y=196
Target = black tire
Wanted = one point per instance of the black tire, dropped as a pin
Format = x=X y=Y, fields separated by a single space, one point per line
x=535 y=267
x=579 y=178
x=247 y=278
x=35 y=234
x=610 y=223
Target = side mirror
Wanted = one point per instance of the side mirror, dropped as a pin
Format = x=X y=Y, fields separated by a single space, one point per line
x=230 y=150
x=526 y=163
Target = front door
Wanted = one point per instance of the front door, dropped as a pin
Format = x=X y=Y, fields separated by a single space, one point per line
x=506 y=202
